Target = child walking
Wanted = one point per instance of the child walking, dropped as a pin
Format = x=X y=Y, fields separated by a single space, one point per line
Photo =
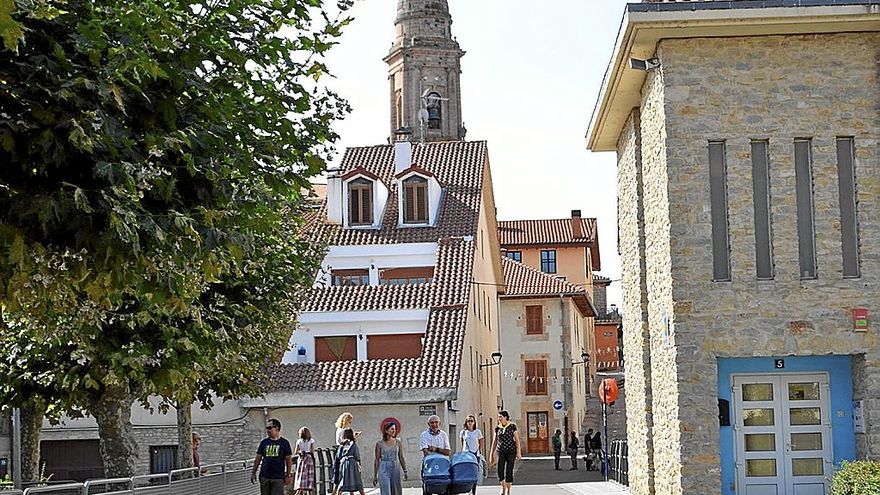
x=305 y=467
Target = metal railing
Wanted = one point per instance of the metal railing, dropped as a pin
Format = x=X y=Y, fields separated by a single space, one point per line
x=229 y=478
x=618 y=462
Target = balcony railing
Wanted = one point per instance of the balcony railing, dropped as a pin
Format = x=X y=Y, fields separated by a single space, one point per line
x=229 y=478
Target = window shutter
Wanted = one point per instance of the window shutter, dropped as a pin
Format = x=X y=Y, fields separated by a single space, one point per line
x=353 y=213
x=422 y=202
x=534 y=320
x=541 y=378
x=408 y=194
x=367 y=203
x=531 y=388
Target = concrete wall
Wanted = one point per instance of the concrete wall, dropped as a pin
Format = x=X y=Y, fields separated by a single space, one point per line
x=226 y=433
x=735 y=89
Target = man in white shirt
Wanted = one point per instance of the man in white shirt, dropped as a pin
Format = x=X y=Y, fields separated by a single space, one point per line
x=434 y=440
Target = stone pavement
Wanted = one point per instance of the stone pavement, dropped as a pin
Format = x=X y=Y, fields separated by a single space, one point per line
x=535 y=475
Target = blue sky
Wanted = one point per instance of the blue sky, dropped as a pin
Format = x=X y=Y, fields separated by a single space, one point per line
x=530 y=79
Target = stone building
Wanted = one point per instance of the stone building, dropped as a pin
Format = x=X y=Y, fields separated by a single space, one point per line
x=747 y=143
x=403 y=320
x=566 y=248
x=545 y=335
x=424 y=68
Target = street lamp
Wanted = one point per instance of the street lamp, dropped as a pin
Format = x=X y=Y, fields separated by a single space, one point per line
x=496 y=360
x=585 y=358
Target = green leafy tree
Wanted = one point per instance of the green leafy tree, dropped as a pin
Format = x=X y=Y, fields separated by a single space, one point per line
x=154 y=153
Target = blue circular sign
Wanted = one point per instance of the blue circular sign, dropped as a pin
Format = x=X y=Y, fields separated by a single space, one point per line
x=557 y=404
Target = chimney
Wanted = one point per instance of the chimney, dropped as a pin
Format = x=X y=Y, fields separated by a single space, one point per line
x=402 y=150
x=577 y=229
x=334 y=198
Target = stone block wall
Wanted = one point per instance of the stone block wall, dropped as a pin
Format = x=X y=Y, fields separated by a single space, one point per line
x=635 y=343
x=774 y=88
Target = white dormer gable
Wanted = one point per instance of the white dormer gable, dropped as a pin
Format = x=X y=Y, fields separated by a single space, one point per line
x=434 y=195
x=362 y=213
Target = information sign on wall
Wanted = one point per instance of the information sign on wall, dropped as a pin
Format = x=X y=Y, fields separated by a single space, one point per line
x=860 y=319
x=427 y=410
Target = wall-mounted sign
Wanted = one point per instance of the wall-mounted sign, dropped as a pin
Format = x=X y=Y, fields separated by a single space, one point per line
x=858 y=416
x=557 y=405
x=860 y=319
x=427 y=410
x=779 y=363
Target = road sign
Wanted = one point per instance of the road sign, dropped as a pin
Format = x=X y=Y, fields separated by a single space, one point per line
x=557 y=405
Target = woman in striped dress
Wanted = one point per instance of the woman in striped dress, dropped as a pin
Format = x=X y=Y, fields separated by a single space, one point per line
x=304 y=482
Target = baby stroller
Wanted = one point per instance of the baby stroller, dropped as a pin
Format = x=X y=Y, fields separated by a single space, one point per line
x=436 y=475
x=466 y=472
x=442 y=477
x=594 y=460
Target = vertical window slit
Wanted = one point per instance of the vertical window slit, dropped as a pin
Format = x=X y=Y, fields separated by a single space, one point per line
x=849 y=222
x=761 y=195
x=718 y=199
x=805 y=219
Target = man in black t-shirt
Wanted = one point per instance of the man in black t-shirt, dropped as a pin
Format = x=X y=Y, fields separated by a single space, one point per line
x=275 y=460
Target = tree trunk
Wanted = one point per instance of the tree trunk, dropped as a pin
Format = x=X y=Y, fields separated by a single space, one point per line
x=31 y=415
x=184 y=434
x=119 y=449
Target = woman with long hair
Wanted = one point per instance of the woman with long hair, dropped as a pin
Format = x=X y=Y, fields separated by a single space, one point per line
x=389 y=462
x=342 y=422
x=506 y=446
x=472 y=441
x=304 y=481
x=349 y=464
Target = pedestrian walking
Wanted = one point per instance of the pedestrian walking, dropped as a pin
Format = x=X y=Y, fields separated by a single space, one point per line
x=389 y=462
x=472 y=441
x=304 y=481
x=342 y=422
x=197 y=456
x=557 y=448
x=434 y=439
x=507 y=449
x=274 y=460
x=349 y=464
x=573 y=446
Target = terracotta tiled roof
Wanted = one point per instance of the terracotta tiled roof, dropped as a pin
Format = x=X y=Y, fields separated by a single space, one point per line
x=545 y=232
x=457 y=166
x=524 y=281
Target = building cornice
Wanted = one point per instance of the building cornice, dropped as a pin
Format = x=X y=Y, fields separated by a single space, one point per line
x=645 y=25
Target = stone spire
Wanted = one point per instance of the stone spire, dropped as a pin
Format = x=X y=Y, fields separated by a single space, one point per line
x=423 y=71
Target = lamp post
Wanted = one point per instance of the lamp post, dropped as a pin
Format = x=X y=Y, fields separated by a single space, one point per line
x=496 y=360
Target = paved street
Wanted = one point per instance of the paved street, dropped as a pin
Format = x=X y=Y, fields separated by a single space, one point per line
x=536 y=475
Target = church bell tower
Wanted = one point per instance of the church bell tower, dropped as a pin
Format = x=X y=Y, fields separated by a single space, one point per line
x=424 y=68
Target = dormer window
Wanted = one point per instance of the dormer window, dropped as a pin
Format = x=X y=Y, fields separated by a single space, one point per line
x=415 y=200
x=360 y=202
x=435 y=112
